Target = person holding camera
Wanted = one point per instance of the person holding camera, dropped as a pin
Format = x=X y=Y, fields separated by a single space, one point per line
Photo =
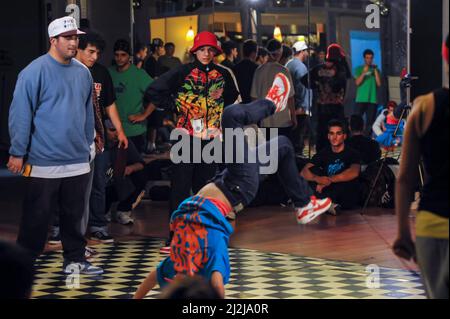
x=368 y=79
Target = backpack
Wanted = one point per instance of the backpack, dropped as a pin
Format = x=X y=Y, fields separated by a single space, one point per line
x=383 y=194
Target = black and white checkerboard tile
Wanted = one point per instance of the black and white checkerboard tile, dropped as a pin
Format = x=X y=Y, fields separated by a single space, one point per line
x=255 y=275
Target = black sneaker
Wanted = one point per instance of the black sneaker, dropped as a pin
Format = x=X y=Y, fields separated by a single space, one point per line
x=102 y=236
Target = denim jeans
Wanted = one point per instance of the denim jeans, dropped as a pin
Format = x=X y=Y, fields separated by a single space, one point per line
x=240 y=181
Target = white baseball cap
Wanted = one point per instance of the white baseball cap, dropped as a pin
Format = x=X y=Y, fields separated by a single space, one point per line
x=63 y=27
x=300 y=46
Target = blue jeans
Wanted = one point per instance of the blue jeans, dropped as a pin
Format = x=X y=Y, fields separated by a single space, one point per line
x=240 y=181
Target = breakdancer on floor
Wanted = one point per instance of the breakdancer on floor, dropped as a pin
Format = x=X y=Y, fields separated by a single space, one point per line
x=201 y=229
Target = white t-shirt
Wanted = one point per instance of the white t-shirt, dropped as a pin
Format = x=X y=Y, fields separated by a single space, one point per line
x=63 y=171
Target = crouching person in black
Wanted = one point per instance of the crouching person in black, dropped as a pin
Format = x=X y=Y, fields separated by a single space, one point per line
x=334 y=171
x=127 y=185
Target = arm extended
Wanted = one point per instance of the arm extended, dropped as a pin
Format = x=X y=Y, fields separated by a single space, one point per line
x=148 y=284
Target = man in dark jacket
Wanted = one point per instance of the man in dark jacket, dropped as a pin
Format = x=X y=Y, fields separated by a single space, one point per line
x=368 y=148
x=245 y=70
x=330 y=82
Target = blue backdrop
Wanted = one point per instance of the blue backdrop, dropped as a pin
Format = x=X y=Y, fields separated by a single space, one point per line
x=359 y=42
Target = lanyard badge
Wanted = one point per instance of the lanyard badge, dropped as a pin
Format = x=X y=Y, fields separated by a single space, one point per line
x=198 y=125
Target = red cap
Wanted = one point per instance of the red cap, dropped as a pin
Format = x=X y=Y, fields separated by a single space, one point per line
x=335 y=52
x=403 y=73
x=445 y=51
x=206 y=38
x=392 y=104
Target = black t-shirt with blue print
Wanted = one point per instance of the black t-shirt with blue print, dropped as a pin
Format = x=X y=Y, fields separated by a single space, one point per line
x=332 y=163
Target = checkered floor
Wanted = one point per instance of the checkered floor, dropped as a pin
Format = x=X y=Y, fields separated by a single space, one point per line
x=255 y=275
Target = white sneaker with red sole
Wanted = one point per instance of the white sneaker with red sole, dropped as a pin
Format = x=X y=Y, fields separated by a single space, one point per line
x=314 y=209
x=279 y=92
x=165 y=250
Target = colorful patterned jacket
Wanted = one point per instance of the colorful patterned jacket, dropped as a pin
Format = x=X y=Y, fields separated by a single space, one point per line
x=195 y=91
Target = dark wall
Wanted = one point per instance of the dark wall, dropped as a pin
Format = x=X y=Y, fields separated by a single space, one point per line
x=426 y=45
x=142 y=23
x=22 y=39
x=112 y=20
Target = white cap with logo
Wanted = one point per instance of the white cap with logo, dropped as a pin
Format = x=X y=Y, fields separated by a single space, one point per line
x=65 y=26
x=300 y=46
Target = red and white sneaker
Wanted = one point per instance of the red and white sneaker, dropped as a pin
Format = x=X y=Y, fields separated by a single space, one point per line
x=314 y=209
x=279 y=92
x=165 y=250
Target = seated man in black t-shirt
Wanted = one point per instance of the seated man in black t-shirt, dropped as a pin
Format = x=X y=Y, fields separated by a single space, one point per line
x=334 y=171
x=368 y=148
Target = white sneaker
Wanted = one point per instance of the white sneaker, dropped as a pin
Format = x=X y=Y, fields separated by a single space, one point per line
x=314 y=209
x=165 y=250
x=333 y=209
x=124 y=218
x=279 y=92
x=231 y=216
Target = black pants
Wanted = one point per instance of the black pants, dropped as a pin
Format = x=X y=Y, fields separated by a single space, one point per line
x=97 y=215
x=371 y=111
x=186 y=177
x=327 y=112
x=140 y=142
x=42 y=196
x=300 y=133
x=346 y=194
x=136 y=185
